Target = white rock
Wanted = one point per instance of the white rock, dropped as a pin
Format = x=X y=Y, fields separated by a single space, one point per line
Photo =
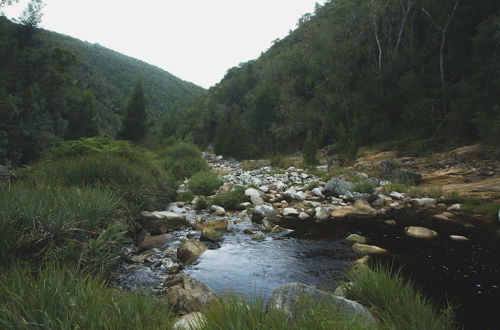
x=290 y=211
x=217 y=210
x=459 y=238
x=256 y=200
x=253 y=192
x=303 y=216
x=191 y=321
x=396 y=195
x=455 y=207
x=318 y=192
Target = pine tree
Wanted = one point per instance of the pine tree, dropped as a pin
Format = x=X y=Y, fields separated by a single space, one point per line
x=134 y=124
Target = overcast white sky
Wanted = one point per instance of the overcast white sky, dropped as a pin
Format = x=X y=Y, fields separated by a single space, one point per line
x=196 y=40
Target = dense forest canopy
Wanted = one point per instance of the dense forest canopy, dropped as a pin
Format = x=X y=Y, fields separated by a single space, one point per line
x=55 y=87
x=423 y=73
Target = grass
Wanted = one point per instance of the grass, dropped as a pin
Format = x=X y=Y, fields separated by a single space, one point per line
x=312 y=185
x=204 y=183
x=401 y=188
x=395 y=301
x=232 y=199
x=58 y=298
x=182 y=160
x=77 y=225
x=281 y=161
x=200 y=204
x=364 y=186
x=185 y=196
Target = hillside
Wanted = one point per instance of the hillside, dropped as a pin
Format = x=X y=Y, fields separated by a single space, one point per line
x=55 y=87
x=416 y=75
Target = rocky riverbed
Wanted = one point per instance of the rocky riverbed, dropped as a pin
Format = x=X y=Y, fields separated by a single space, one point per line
x=294 y=228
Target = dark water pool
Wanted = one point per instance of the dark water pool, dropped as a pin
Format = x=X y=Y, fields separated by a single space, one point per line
x=465 y=274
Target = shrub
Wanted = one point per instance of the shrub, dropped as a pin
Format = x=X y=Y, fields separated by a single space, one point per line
x=204 y=183
x=200 y=203
x=183 y=160
x=56 y=298
x=67 y=224
x=281 y=161
x=364 y=186
x=185 y=196
x=396 y=303
x=231 y=199
x=312 y=185
x=309 y=149
x=388 y=188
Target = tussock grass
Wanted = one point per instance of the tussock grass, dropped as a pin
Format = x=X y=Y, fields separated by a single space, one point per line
x=58 y=298
x=231 y=199
x=182 y=160
x=364 y=186
x=395 y=301
x=204 y=183
x=71 y=224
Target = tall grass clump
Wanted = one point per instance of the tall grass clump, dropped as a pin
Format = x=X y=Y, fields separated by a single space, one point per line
x=71 y=224
x=142 y=185
x=364 y=186
x=58 y=298
x=395 y=301
x=204 y=183
x=182 y=160
x=232 y=199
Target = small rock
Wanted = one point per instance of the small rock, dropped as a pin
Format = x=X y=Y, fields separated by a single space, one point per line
x=459 y=238
x=318 y=192
x=256 y=200
x=303 y=216
x=391 y=222
x=323 y=213
x=185 y=294
x=395 y=205
x=258 y=237
x=266 y=225
x=210 y=235
x=360 y=209
x=440 y=217
x=289 y=211
x=253 y=192
x=278 y=229
x=420 y=232
x=191 y=321
x=160 y=222
x=248 y=231
x=355 y=238
x=397 y=195
x=217 y=210
x=189 y=250
x=368 y=249
x=455 y=207
x=215 y=224
x=157 y=241
x=338 y=187
x=262 y=211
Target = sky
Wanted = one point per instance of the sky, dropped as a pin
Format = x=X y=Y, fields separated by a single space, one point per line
x=195 y=40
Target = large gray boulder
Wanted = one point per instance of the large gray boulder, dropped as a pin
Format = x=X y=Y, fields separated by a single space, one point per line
x=263 y=211
x=162 y=221
x=287 y=298
x=186 y=295
x=338 y=187
x=190 y=250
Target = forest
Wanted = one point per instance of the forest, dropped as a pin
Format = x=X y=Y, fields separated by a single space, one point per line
x=413 y=75
x=54 y=88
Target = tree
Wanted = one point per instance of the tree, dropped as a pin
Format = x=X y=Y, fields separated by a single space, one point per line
x=134 y=124
x=310 y=147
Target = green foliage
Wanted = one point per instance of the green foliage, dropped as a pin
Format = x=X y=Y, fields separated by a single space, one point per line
x=185 y=196
x=58 y=298
x=379 y=81
x=232 y=199
x=134 y=123
x=200 y=203
x=183 y=160
x=204 y=183
x=364 y=186
x=394 y=301
x=281 y=161
x=139 y=181
x=388 y=188
x=77 y=225
x=312 y=185
x=309 y=149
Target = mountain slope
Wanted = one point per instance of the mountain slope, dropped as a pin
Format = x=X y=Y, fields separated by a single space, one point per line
x=420 y=72
x=55 y=87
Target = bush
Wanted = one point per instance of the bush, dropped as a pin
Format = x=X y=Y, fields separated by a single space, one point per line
x=185 y=196
x=388 y=188
x=56 y=298
x=231 y=199
x=200 y=203
x=183 y=160
x=312 y=185
x=142 y=185
x=204 y=183
x=281 y=161
x=396 y=303
x=67 y=224
x=364 y=186
x=309 y=149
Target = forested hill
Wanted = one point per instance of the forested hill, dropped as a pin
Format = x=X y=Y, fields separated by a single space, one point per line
x=55 y=87
x=423 y=74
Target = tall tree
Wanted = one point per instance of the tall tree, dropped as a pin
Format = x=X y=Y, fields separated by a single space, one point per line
x=134 y=124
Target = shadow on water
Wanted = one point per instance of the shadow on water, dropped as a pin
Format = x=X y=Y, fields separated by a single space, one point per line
x=464 y=274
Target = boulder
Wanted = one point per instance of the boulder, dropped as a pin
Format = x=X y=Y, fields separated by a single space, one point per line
x=258 y=237
x=211 y=235
x=217 y=210
x=262 y=211
x=290 y=212
x=368 y=249
x=303 y=216
x=338 y=187
x=253 y=192
x=189 y=250
x=360 y=209
x=397 y=195
x=256 y=200
x=248 y=231
x=318 y=192
x=266 y=225
x=288 y=298
x=215 y=224
x=156 y=241
x=420 y=232
x=323 y=213
x=162 y=221
x=185 y=294
x=191 y=321
x=423 y=201
x=355 y=238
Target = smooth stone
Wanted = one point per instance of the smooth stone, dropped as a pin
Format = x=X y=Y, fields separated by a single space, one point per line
x=288 y=297
x=355 y=238
x=459 y=238
x=185 y=294
x=217 y=210
x=303 y=216
x=257 y=237
x=420 y=232
x=156 y=241
x=162 y=221
x=396 y=195
x=391 y=222
x=189 y=250
x=455 y=207
x=210 y=235
x=440 y=217
x=215 y=224
x=290 y=211
x=360 y=209
x=318 y=192
x=262 y=211
x=256 y=200
x=368 y=249
x=338 y=187
x=253 y=192
x=191 y=321
x=266 y=225
x=248 y=231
